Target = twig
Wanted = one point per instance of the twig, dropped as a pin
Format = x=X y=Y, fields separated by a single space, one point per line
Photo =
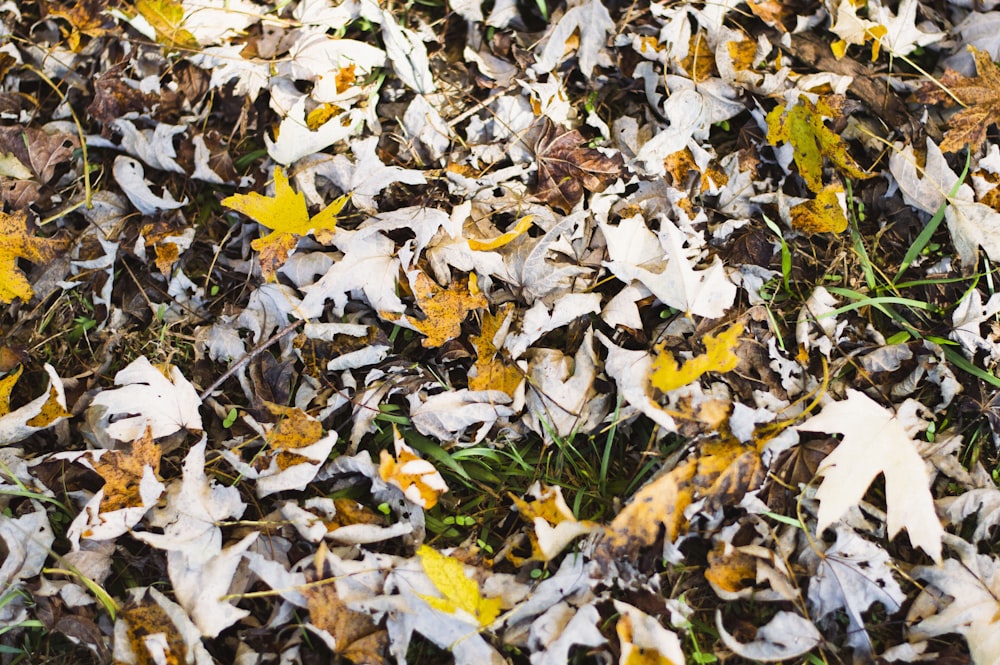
x=251 y=354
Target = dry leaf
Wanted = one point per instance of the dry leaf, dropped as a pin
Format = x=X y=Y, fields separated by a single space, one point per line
x=123 y=472
x=167 y=18
x=288 y=217
x=802 y=126
x=40 y=413
x=444 y=309
x=719 y=356
x=555 y=527
x=460 y=592
x=358 y=638
x=824 y=214
x=980 y=95
x=492 y=371
x=15 y=243
x=566 y=167
x=420 y=481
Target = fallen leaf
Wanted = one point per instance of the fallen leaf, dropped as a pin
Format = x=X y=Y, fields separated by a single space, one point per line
x=460 y=592
x=644 y=641
x=519 y=229
x=592 y=22
x=167 y=19
x=980 y=95
x=151 y=628
x=492 y=371
x=288 y=217
x=786 y=636
x=420 y=481
x=875 y=442
x=555 y=526
x=444 y=309
x=149 y=397
x=566 y=168
x=824 y=214
x=719 y=357
x=802 y=126
x=16 y=243
x=123 y=472
x=40 y=413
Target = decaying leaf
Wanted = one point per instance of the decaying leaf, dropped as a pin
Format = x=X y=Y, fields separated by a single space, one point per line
x=555 y=527
x=40 y=413
x=979 y=94
x=803 y=127
x=161 y=399
x=875 y=442
x=492 y=371
x=167 y=19
x=721 y=471
x=460 y=592
x=420 y=481
x=288 y=217
x=643 y=640
x=824 y=214
x=719 y=356
x=566 y=167
x=16 y=243
x=787 y=635
x=151 y=628
x=444 y=308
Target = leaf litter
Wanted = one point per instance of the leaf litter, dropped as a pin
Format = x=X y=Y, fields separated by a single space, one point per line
x=574 y=331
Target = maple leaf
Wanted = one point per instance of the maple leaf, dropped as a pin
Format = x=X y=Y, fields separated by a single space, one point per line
x=566 y=167
x=592 y=22
x=40 y=413
x=718 y=357
x=420 y=481
x=444 y=309
x=288 y=217
x=491 y=372
x=802 y=126
x=460 y=592
x=358 y=638
x=875 y=442
x=644 y=641
x=980 y=95
x=555 y=527
x=167 y=19
x=16 y=243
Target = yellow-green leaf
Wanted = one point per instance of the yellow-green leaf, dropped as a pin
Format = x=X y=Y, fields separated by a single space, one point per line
x=802 y=126
x=167 y=18
x=460 y=592
x=718 y=357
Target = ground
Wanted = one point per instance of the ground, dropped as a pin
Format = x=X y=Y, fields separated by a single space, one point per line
x=499 y=332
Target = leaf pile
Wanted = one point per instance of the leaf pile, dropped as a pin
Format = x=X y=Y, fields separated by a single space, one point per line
x=495 y=332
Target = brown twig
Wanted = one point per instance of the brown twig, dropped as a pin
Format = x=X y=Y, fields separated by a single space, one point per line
x=251 y=354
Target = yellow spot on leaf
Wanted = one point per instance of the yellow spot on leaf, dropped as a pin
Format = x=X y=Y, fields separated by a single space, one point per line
x=445 y=309
x=667 y=375
x=288 y=217
x=460 y=592
x=50 y=412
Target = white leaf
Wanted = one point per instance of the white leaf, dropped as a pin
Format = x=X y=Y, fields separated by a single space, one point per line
x=154 y=146
x=902 y=35
x=447 y=415
x=875 y=442
x=539 y=320
x=27 y=540
x=213 y=21
x=972 y=611
x=633 y=254
x=148 y=398
x=787 y=635
x=593 y=22
x=295 y=139
x=129 y=176
x=95 y=525
x=227 y=64
x=561 y=628
x=630 y=371
x=14 y=426
x=852 y=575
x=647 y=637
x=408 y=55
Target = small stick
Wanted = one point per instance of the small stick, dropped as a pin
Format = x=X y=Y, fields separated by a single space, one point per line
x=251 y=354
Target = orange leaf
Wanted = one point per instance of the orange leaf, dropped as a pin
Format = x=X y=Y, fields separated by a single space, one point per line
x=445 y=309
x=123 y=470
x=419 y=480
x=492 y=372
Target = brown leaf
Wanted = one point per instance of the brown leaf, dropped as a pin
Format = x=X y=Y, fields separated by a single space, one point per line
x=40 y=150
x=566 y=167
x=123 y=471
x=980 y=95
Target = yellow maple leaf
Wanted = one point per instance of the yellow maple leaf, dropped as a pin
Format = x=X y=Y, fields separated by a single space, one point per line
x=420 y=481
x=6 y=387
x=492 y=372
x=288 y=217
x=667 y=375
x=445 y=309
x=802 y=126
x=294 y=429
x=460 y=592
x=167 y=18
x=15 y=243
